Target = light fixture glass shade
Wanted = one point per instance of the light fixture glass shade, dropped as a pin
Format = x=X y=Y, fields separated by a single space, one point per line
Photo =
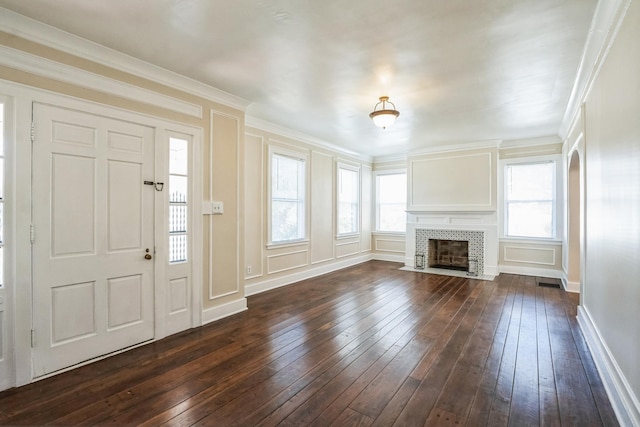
x=384 y=116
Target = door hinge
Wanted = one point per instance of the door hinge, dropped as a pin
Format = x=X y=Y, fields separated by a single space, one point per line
x=32 y=233
x=33 y=131
x=33 y=338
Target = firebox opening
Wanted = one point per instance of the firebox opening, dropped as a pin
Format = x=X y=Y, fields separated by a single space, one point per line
x=449 y=254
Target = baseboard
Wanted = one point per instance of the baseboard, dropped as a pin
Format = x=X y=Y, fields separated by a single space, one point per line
x=531 y=271
x=387 y=257
x=224 y=310
x=625 y=404
x=571 y=286
x=266 y=285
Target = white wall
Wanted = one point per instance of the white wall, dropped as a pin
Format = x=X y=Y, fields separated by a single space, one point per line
x=610 y=303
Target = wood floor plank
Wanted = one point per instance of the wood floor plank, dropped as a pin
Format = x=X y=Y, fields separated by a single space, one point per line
x=367 y=345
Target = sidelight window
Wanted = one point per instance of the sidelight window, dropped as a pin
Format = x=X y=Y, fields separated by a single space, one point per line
x=178 y=199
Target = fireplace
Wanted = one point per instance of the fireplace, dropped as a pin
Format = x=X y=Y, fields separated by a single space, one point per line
x=463 y=252
x=449 y=254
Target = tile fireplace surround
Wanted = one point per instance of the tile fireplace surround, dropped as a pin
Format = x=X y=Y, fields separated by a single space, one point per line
x=479 y=229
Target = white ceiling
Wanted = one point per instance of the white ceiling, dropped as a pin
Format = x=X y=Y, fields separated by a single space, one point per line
x=458 y=71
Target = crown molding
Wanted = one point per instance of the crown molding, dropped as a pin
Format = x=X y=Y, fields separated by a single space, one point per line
x=531 y=142
x=604 y=28
x=465 y=146
x=46 y=35
x=263 y=125
x=37 y=65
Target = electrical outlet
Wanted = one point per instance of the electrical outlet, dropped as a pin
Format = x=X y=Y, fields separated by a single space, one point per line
x=248 y=269
x=217 y=208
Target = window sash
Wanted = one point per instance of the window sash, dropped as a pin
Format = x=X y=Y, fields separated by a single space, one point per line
x=287 y=198
x=348 y=200
x=391 y=213
x=534 y=216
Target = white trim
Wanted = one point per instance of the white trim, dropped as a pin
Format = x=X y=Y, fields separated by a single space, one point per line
x=266 y=285
x=606 y=22
x=388 y=257
x=57 y=71
x=625 y=404
x=223 y=310
x=530 y=271
x=46 y=35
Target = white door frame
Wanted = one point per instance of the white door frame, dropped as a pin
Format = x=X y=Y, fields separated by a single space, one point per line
x=18 y=276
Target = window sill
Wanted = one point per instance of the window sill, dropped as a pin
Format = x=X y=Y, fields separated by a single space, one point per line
x=538 y=240
x=287 y=244
x=389 y=233
x=347 y=236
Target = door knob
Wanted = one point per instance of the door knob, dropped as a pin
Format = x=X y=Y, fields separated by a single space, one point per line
x=147 y=255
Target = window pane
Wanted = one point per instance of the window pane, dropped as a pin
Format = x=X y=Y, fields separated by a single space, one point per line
x=178 y=156
x=177 y=189
x=530 y=219
x=286 y=221
x=392 y=188
x=392 y=217
x=286 y=173
x=530 y=181
x=178 y=248
x=177 y=218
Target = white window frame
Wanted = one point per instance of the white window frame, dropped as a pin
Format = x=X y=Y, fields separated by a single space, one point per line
x=300 y=156
x=352 y=168
x=557 y=190
x=377 y=198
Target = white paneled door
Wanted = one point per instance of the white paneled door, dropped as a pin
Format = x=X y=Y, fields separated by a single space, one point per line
x=93 y=249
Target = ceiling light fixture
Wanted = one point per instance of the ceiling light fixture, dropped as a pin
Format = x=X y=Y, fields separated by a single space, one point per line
x=384 y=116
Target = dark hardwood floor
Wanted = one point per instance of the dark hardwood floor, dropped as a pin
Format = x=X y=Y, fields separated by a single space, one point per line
x=368 y=345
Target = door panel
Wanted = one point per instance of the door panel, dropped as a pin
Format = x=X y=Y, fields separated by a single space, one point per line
x=94 y=220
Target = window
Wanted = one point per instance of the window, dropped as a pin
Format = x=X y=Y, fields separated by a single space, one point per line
x=348 y=199
x=288 y=183
x=391 y=201
x=178 y=198
x=529 y=200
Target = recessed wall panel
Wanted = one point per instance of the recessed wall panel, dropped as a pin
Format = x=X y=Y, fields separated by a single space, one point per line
x=73 y=198
x=460 y=181
x=287 y=261
x=124 y=300
x=72 y=311
x=124 y=206
x=322 y=214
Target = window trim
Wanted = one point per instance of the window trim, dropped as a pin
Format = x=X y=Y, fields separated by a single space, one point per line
x=300 y=156
x=376 y=213
x=353 y=168
x=556 y=225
